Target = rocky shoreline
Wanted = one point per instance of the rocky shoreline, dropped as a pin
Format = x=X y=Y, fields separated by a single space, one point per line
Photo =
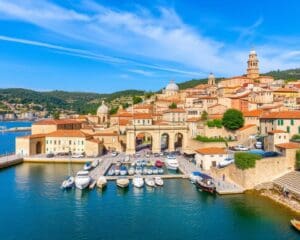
x=288 y=202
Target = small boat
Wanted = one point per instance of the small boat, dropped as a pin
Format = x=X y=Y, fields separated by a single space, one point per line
x=161 y=171
x=194 y=176
x=82 y=179
x=226 y=162
x=154 y=170
x=206 y=184
x=131 y=171
x=145 y=170
x=149 y=164
x=138 y=163
x=122 y=182
x=111 y=172
x=159 y=181
x=149 y=172
x=143 y=163
x=123 y=170
x=138 y=182
x=296 y=224
x=133 y=164
x=101 y=182
x=87 y=166
x=138 y=170
x=150 y=182
x=117 y=171
x=159 y=164
x=95 y=163
x=118 y=163
x=68 y=183
x=172 y=164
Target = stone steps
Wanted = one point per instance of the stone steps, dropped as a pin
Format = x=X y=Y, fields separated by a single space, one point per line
x=290 y=181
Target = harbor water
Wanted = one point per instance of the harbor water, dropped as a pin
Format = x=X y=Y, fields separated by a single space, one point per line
x=33 y=206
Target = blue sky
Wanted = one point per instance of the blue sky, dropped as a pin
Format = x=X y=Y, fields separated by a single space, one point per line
x=105 y=46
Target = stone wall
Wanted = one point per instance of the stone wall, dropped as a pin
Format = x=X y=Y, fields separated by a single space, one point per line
x=266 y=170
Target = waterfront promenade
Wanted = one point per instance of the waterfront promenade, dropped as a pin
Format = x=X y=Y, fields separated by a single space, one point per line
x=10 y=160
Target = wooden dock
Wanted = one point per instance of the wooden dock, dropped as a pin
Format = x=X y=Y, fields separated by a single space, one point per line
x=10 y=160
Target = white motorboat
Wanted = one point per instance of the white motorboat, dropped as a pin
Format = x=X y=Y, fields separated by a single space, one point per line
x=159 y=181
x=149 y=172
x=194 y=176
x=82 y=179
x=111 y=172
x=101 y=182
x=87 y=166
x=150 y=182
x=138 y=170
x=122 y=182
x=131 y=171
x=123 y=170
x=226 y=162
x=160 y=170
x=172 y=164
x=95 y=163
x=68 y=183
x=154 y=170
x=138 y=182
x=145 y=171
x=117 y=171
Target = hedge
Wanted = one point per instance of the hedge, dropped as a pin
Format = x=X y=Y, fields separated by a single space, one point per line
x=210 y=139
x=298 y=159
x=245 y=160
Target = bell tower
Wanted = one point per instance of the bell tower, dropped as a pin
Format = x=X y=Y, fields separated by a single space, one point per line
x=253 y=70
x=211 y=80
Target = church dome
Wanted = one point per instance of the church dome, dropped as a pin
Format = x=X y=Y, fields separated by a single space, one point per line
x=211 y=76
x=172 y=86
x=103 y=109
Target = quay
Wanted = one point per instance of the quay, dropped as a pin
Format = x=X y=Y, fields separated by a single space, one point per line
x=10 y=160
x=16 y=129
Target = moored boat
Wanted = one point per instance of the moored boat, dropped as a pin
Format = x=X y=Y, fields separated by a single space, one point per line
x=82 y=179
x=123 y=170
x=131 y=171
x=145 y=170
x=159 y=164
x=296 y=224
x=226 y=162
x=117 y=170
x=101 y=182
x=172 y=164
x=138 y=170
x=161 y=171
x=138 y=182
x=154 y=170
x=87 y=166
x=111 y=172
x=150 y=182
x=68 y=183
x=194 y=176
x=122 y=182
x=159 y=181
x=95 y=163
x=149 y=171
x=206 y=184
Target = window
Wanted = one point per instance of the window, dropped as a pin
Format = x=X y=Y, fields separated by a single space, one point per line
x=299 y=129
x=292 y=121
x=288 y=129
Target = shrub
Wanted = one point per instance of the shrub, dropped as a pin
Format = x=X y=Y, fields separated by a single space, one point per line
x=244 y=160
x=298 y=159
x=215 y=123
x=233 y=119
x=210 y=139
x=296 y=137
x=173 y=106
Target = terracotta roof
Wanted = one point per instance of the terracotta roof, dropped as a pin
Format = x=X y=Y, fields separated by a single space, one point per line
x=122 y=114
x=33 y=136
x=253 y=113
x=193 y=119
x=106 y=134
x=143 y=106
x=215 y=116
x=160 y=123
x=211 y=150
x=289 y=145
x=286 y=90
x=175 y=110
x=246 y=127
x=56 y=122
x=123 y=122
x=282 y=115
x=68 y=133
x=277 y=131
x=142 y=116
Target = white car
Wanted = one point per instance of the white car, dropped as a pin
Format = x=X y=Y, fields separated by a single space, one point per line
x=258 y=145
x=114 y=154
x=79 y=155
x=241 y=148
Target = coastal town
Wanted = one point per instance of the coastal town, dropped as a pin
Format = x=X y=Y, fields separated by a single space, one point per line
x=188 y=130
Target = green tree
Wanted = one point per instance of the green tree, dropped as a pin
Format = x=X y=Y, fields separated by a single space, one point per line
x=125 y=105
x=298 y=159
x=173 y=106
x=137 y=99
x=56 y=115
x=233 y=119
x=204 y=116
x=113 y=110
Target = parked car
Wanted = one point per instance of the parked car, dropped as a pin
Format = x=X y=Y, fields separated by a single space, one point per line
x=156 y=154
x=114 y=154
x=258 y=145
x=79 y=155
x=147 y=155
x=240 y=148
x=50 y=155
x=270 y=154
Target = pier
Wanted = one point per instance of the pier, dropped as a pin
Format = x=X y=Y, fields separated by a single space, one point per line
x=10 y=160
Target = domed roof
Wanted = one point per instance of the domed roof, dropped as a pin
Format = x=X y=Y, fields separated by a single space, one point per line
x=103 y=109
x=252 y=52
x=211 y=76
x=172 y=86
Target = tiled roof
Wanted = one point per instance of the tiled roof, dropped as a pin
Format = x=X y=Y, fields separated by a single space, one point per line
x=246 y=127
x=123 y=122
x=277 y=131
x=211 y=151
x=175 y=110
x=253 y=113
x=282 y=115
x=289 y=145
x=33 y=136
x=193 y=119
x=289 y=90
x=142 y=116
x=106 y=134
x=68 y=133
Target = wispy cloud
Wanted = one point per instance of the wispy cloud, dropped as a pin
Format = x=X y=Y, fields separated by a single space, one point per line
x=141 y=72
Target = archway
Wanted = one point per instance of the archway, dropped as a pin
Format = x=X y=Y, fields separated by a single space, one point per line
x=178 y=141
x=164 y=142
x=38 y=148
x=143 y=141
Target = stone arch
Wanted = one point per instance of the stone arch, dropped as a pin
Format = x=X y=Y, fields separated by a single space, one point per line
x=38 y=147
x=178 y=141
x=164 y=141
x=143 y=140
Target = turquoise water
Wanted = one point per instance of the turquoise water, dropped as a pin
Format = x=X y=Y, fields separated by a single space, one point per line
x=32 y=206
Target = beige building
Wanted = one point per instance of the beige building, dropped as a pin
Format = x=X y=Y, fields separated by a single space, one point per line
x=210 y=157
x=51 y=125
x=274 y=138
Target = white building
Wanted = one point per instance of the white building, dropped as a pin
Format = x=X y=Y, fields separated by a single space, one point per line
x=210 y=157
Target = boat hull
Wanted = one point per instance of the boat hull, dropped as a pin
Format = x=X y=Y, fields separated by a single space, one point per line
x=205 y=188
x=82 y=184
